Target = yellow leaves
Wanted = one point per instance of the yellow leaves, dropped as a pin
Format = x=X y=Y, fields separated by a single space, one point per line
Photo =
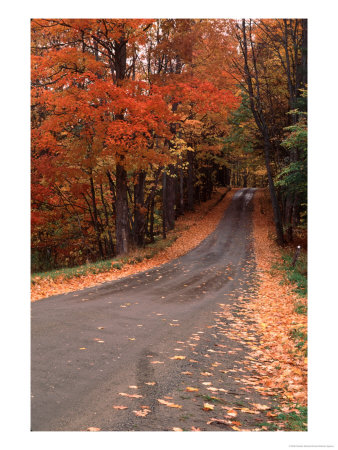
x=208 y=407
x=249 y=411
x=178 y=357
x=214 y=420
x=142 y=413
x=150 y=383
x=133 y=387
x=212 y=389
x=83 y=348
x=130 y=395
x=260 y=407
x=157 y=362
x=231 y=413
x=191 y=389
x=120 y=407
x=195 y=429
x=206 y=374
x=171 y=405
x=132 y=339
x=93 y=429
x=177 y=429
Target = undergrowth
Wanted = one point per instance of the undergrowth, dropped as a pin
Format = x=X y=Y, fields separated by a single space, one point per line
x=295 y=275
x=105 y=266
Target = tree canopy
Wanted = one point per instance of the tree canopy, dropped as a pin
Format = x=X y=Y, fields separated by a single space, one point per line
x=134 y=121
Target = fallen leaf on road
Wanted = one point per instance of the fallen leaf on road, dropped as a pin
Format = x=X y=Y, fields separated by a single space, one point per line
x=249 y=411
x=260 y=407
x=208 y=407
x=191 y=389
x=177 y=429
x=93 y=429
x=133 y=387
x=142 y=412
x=130 y=395
x=171 y=405
x=195 y=429
x=213 y=420
x=178 y=357
x=238 y=424
x=236 y=428
x=83 y=348
x=157 y=362
x=231 y=413
x=120 y=407
x=206 y=374
x=150 y=383
x=186 y=373
x=207 y=383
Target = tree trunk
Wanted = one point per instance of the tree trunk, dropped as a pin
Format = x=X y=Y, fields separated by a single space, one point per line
x=274 y=201
x=164 y=204
x=288 y=217
x=151 y=225
x=121 y=220
x=95 y=218
x=139 y=210
x=170 y=198
x=111 y=244
x=190 y=181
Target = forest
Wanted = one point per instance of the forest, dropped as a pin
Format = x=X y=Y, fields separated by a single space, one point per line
x=136 y=121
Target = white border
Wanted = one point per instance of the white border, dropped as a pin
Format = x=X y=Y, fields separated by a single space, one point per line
x=15 y=222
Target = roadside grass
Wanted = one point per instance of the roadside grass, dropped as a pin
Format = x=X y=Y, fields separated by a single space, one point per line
x=105 y=266
x=291 y=421
x=295 y=275
x=295 y=420
x=300 y=338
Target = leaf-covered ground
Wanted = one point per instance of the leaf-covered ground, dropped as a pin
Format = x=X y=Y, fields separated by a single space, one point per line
x=191 y=229
x=270 y=323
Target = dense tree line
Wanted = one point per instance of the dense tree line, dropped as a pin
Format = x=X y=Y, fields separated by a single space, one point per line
x=135 y=121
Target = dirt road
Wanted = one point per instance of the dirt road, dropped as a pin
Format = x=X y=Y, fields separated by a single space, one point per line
x=147 y=337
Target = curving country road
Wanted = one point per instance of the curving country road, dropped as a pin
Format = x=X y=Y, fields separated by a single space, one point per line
x=88 y=347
